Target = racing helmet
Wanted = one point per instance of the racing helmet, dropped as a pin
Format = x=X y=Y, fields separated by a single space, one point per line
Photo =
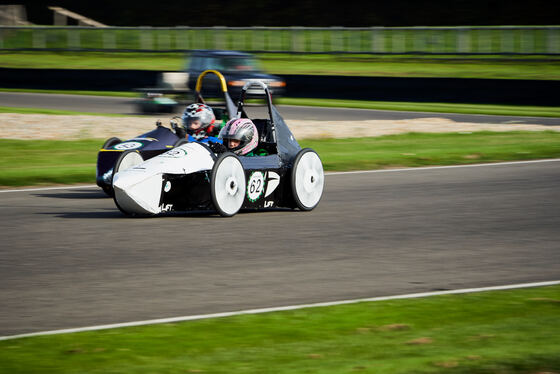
x=242 y=129
x=198 y=120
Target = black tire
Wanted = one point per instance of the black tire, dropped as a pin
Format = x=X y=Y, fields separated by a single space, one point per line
x=228 y=184
x=180 y=142
x=111 y=142
x=108 y=189
x=307 y=180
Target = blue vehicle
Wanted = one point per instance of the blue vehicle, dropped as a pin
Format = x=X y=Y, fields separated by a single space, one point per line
x=159 y=140
x=238 y=69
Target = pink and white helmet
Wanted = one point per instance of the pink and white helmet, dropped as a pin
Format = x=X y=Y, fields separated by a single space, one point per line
x=244 y=130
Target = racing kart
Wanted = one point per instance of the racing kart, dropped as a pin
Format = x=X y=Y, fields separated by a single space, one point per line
x=110 y=158
x=192 y=177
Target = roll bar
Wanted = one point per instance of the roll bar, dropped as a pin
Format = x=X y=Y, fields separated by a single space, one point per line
x=206 y=72
x=229 y=104
x=241 y=111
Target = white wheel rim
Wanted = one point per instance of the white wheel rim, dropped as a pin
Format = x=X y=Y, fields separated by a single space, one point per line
x=129 y=160
x=229 y=185
x=309 y=179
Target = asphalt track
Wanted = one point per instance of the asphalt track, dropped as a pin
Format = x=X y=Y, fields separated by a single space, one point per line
x=120 y=105
x=69 y=258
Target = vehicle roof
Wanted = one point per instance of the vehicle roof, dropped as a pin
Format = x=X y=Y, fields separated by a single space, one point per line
x=221 y=53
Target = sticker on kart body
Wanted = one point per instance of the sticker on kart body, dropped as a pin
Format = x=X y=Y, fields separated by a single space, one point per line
x=166 y=207
x=107 y=176
x=255 y=186
x=167 y=186
x=175 y=153
x=272 y=182
x=128 y=145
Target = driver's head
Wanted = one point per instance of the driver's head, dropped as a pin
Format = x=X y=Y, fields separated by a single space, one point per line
x=198 y=120
x=240 y=136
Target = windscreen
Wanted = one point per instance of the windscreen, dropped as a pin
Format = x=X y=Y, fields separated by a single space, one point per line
x=288 y=146
x=239 y=64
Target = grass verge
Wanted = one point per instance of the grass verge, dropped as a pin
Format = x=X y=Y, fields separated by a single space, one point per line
x=513 y=331
x=499 y=67
x=25 y=163
x=73 y=92
x=5 y=109
x=489 y=109
x=503 y=110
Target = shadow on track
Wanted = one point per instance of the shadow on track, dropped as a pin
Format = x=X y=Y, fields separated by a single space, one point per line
x=116 y=214
x=79 y=194
x=81 y=215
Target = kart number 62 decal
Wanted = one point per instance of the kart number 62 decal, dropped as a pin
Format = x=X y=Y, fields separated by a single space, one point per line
x=255 y=186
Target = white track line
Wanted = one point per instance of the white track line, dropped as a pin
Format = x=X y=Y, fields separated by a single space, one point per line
x=279 y=309
x=69 y=187
x=445 y=167
x=335 y=173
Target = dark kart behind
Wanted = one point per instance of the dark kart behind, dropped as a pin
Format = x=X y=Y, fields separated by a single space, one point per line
x=192 y=177
x=156 y=141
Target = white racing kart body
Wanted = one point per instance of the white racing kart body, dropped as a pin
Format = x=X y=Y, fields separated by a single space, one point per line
x=138 y=189
x=192 y=177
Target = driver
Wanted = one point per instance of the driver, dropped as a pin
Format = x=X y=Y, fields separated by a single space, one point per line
x=241 y=137
x=200 y=122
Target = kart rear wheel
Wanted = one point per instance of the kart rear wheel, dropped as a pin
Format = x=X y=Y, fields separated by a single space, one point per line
x=180 y=142
x=228 y=184
x=308 y=179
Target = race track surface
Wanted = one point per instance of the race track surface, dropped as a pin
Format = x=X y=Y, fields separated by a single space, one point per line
x=69 y=258
x=121 y=105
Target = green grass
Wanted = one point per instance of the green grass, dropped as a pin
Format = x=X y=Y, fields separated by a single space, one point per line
x=24 y=162
x=499 y=67
x=516 y=331
x=74 y=92
x=5 y=109
x=504 y=110
x=388 y=66
x=417 y=149
x=92 y=60
x=490 y=109
x=46 y=162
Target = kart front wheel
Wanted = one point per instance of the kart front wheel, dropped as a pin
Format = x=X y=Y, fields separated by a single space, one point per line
x=308 y=179
x=111 y=142
x=127 y=160
x=228 y=184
